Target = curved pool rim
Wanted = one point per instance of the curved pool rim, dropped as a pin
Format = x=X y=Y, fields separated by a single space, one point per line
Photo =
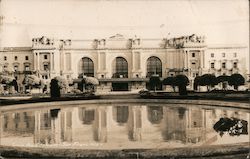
x=211 y=103
x=201 y=151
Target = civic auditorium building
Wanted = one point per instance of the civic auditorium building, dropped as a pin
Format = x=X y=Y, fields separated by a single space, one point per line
x=123 y=64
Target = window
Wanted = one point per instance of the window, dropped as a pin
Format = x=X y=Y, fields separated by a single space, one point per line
x=212 y=54
x=121 y=67
x=26 y=57
x=212 y=65
x=193 y=65
x=15 y=58
x=193 y=54
x=235 y=54
x=45 y=67
x=86 y=67
x=27 y=68
x=154 y=66
x=235 y=65
x=15 y=68
x=223 y=54
x=45 y=57
x=5 y=58
x=122 y=113
x=223 y=65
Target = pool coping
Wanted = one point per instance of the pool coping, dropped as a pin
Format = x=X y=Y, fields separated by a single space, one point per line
x=189 y=152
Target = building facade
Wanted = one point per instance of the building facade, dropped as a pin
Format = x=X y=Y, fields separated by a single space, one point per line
x=123 y=64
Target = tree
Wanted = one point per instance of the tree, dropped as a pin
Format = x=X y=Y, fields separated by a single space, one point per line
x=90 y=83
x=224 y=80
x=196 y=82
x=62 y=83
x=154 y=82
x=169 y=81
x=6 y=79
x=33 y=81
x=181 y=81
x=236 y=80
x=54 y=89
x=9 y=81
x=208 y=80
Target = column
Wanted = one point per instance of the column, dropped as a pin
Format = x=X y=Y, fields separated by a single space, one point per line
x=62 y=69
x=132 y=62
x=56 y=128
x=101 y=124
x=37 y=127
x=1 y=127
x=185 y=59
x=34 y=60
x=50 y=61
x=98 y=62
x=135 y=123
x=38 y=61
x=201 y=59
x=53 y=61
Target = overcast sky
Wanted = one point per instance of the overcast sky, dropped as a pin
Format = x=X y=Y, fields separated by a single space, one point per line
x=223 y=21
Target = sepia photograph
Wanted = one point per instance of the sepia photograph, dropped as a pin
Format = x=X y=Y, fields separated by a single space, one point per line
x=124 y=79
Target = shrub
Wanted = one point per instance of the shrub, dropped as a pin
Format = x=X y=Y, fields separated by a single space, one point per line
x=154 y=82
x=54 y=89
x=208 y=80
x=181 y=81
x=169 y=81
x=223 y=79
x=33 y=81
x=236 y=80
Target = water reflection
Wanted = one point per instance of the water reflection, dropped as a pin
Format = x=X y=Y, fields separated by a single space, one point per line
x=120 y=126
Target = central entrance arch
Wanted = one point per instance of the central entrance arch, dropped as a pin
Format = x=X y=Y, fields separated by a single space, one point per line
x=120 y=67
x=154 y=67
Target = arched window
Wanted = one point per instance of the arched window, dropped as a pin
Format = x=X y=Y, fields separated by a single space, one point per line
x=155 y=114
x=87 y=116
x=120 y=114
x=86 y=67
x=121 y=68
x=154 y=66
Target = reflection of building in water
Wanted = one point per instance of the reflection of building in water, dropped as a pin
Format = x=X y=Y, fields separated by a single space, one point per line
x=52 y=126
x=21 y=122
x=186 y=125
x=134 y=123
x=121 y=124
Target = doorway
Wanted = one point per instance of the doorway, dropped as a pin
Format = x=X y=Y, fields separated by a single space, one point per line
x=120 y=86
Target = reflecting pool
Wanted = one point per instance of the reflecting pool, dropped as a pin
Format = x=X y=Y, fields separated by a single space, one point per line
x=119 y=126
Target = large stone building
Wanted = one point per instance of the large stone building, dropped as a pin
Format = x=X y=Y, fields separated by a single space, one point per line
x=123 y=64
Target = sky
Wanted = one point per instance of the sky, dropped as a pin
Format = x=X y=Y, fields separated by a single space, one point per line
x=222 y=22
